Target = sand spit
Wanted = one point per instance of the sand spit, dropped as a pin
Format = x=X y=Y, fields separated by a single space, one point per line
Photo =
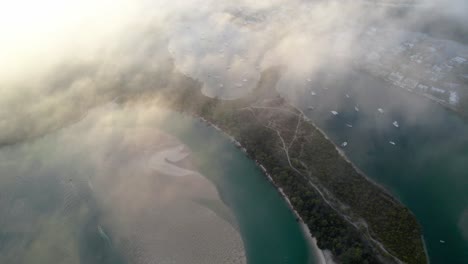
x=152 y=207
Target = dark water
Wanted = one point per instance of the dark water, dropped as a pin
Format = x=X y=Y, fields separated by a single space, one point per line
x=268 y=228
x=427 y=169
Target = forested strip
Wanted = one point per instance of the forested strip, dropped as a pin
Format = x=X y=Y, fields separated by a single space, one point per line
x=266 y=125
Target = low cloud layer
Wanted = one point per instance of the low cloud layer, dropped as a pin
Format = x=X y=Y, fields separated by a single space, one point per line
x=59 y=60
x=114 y=173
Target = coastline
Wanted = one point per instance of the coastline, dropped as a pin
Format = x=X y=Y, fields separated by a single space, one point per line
x=381 y=187
x=321 y=256
x=208 y=105
x=343 y=155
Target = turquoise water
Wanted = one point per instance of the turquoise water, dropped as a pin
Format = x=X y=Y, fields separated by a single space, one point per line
x=268 y=228
x=50 y=210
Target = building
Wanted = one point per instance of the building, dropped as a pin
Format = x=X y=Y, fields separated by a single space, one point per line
x=437 y=90
x=409 y=83
x=453 y=98
x=396 y=77
x=458 y=60
x=422 y=88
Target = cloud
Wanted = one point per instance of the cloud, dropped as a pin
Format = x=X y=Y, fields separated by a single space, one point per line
x=64 y=59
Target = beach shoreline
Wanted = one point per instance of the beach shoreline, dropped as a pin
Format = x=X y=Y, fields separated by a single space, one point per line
x=321 y=256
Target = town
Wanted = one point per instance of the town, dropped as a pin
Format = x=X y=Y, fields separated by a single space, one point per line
x=434 y=68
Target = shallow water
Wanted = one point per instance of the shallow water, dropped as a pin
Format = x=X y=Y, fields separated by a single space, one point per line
x=114 y=188
x=268 y=228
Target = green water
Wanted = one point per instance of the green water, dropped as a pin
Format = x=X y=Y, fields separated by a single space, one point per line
x=50 y=212
x=268 y=228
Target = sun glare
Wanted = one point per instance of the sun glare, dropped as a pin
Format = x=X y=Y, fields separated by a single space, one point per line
x=40 y=31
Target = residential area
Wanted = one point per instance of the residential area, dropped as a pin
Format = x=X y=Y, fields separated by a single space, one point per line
x=434 y=68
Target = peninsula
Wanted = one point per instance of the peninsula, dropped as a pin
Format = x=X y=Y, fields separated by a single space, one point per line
x=348 y=214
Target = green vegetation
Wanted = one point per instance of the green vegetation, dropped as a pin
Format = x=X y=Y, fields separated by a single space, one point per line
x=349 y=215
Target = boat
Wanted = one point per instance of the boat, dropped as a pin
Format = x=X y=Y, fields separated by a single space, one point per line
x=349 y=125
x=380 y=110
x=395 y=123
x=356 y=109
x=334 y=112
x=312 y=93
x=392 y=143
x=347 y=95
x=311 y=108
x=442 y=241
x=344 y=144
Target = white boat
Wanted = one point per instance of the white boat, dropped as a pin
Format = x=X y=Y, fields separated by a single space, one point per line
x=309 y=80
x=395 y=123
x=442 y=241
x=334 y=112
x=347 y=95
x=380 y=110
x=392 y=143
x=344 y=144
x=349 y=125
x=356 y=109
x=312 y=93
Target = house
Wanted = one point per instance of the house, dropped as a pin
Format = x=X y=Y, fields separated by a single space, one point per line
x=458 y=60
x=408 y=44
x=409 y=83
x=418 y=58
x=453 y=98
x=437 y=90
x=436 y=68
x=395 y=77
x=423 y=88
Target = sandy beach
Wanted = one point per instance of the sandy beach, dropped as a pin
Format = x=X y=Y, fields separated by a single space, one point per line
x=322 y=256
